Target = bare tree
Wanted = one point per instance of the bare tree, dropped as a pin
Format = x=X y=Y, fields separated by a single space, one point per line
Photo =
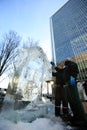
x=30 y=43
x=8 y=50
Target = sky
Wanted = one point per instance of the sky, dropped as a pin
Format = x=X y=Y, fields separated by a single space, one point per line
x=29 y=18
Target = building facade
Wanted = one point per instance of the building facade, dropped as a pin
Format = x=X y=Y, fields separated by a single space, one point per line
x=69 y=31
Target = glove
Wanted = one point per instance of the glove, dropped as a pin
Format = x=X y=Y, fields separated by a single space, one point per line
x=72 y=81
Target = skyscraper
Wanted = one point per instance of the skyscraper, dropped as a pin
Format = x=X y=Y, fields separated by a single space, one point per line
x=69 y=31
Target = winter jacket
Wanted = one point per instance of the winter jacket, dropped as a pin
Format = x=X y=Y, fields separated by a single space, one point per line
x=72 y=68
x=61 y=75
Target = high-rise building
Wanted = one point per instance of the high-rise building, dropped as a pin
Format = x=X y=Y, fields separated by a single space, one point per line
x=69 y=31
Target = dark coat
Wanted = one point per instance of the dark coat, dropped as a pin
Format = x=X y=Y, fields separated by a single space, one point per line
x=61 y=75
x=72 y=68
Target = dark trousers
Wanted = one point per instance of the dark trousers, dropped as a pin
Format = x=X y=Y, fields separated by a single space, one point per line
x=61 y=97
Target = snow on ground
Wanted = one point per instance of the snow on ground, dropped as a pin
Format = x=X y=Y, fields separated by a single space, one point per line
x=38 y=124
x=37 y=116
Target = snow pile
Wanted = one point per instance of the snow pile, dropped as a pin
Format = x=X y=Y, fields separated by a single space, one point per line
x=38 y=124
x=11 y=119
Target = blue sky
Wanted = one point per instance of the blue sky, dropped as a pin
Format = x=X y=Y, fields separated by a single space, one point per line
x=29 y=18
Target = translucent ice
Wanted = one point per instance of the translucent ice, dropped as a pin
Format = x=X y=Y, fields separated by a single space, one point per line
x=32 y=69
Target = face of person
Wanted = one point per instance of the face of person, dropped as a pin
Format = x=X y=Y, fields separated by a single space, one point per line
x=60 y=66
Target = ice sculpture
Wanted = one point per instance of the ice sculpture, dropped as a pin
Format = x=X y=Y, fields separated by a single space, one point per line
x=33 y=70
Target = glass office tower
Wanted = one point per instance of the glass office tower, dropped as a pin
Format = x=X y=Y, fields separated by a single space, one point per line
x=69 y=32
